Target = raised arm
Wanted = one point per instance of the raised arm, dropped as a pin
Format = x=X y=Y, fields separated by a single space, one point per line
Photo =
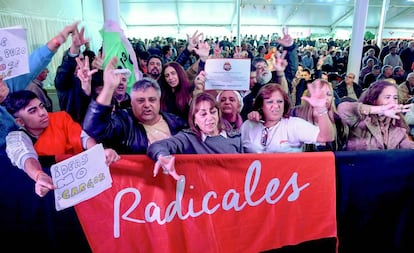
x=317 y=100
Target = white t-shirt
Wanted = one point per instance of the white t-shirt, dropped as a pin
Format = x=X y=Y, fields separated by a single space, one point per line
x=286 y=136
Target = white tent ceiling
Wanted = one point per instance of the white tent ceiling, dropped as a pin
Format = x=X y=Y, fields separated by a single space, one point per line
x=316 y=16
x=147 y=18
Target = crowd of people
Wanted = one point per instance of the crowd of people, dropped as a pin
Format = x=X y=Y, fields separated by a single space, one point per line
x=300 y=98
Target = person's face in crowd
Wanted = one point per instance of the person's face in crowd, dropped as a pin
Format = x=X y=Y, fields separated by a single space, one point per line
x=389 y=95
x=388 y=72
x=154 y=67
x=410 y=80
x=376 y=72
x=371 y=52
x=171 y=77
x=229 y=103
x=121 y=89
x=305 y=75
x=263 y=74
x=273 y=107
x=207 y=118
x=370 y=63
x=146 y=105
x=400 y=72
x=142 y=62
x=349 y=78
x=299 y=72
x=324 y=76
x=33 y=117
x=244 y=54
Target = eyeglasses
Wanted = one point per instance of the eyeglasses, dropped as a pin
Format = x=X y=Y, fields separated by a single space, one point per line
x=265 y=134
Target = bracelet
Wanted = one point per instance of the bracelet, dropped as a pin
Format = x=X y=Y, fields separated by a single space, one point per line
x=365 y=109
x=382 y=110
x=36 y=177
x=323 y=112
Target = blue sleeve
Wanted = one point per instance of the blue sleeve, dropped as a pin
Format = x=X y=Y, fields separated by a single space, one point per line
x=38 y=60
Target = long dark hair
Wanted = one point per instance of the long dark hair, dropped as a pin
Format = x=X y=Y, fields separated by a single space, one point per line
x=182 y=92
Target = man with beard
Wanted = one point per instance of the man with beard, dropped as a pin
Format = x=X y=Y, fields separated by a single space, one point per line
x=154 y=67
x=283 y=71
x=261 y=70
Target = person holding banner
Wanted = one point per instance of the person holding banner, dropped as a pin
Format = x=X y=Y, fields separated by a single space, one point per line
x=206 y=135
x=43 y=134
x=270 y=127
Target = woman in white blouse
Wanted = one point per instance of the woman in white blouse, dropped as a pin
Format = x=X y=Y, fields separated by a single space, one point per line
x=270 y=128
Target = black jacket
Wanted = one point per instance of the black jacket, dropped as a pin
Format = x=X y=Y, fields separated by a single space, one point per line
x=120 y=129
x=72 y=98
x=342 y=92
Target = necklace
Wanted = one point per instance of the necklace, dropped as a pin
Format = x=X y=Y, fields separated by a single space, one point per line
x=267 y=135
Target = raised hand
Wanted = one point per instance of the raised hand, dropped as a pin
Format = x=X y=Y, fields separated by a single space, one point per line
x=394 y=110
x=78 y=38
x=217 y=50
x=237 y=53
x=68 y=30
x=318 y=94
x=286 y=40
x=194 y=40
x=98 y=61
x=85 y=74
x=111 y=79
x=279 y=62
x=203 y=50
x=199 y=83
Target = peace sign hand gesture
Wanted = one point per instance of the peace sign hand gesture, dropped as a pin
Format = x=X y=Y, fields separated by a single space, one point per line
x=286 y=41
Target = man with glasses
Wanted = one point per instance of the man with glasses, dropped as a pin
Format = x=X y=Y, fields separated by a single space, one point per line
x=349 y=88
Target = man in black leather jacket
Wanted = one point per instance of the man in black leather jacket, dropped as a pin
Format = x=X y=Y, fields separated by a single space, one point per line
x=130 y=131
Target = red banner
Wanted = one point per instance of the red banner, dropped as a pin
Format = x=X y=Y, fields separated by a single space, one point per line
x=225 y=203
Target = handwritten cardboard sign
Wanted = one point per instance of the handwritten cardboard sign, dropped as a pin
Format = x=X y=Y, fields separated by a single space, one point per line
x=80 y=177
x=14 y=59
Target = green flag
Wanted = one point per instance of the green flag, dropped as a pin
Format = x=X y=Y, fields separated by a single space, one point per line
x=116 y=44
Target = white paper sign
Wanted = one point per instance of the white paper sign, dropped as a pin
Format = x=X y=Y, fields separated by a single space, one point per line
x=227 y=74
x=14 y=58
x=80 y=177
